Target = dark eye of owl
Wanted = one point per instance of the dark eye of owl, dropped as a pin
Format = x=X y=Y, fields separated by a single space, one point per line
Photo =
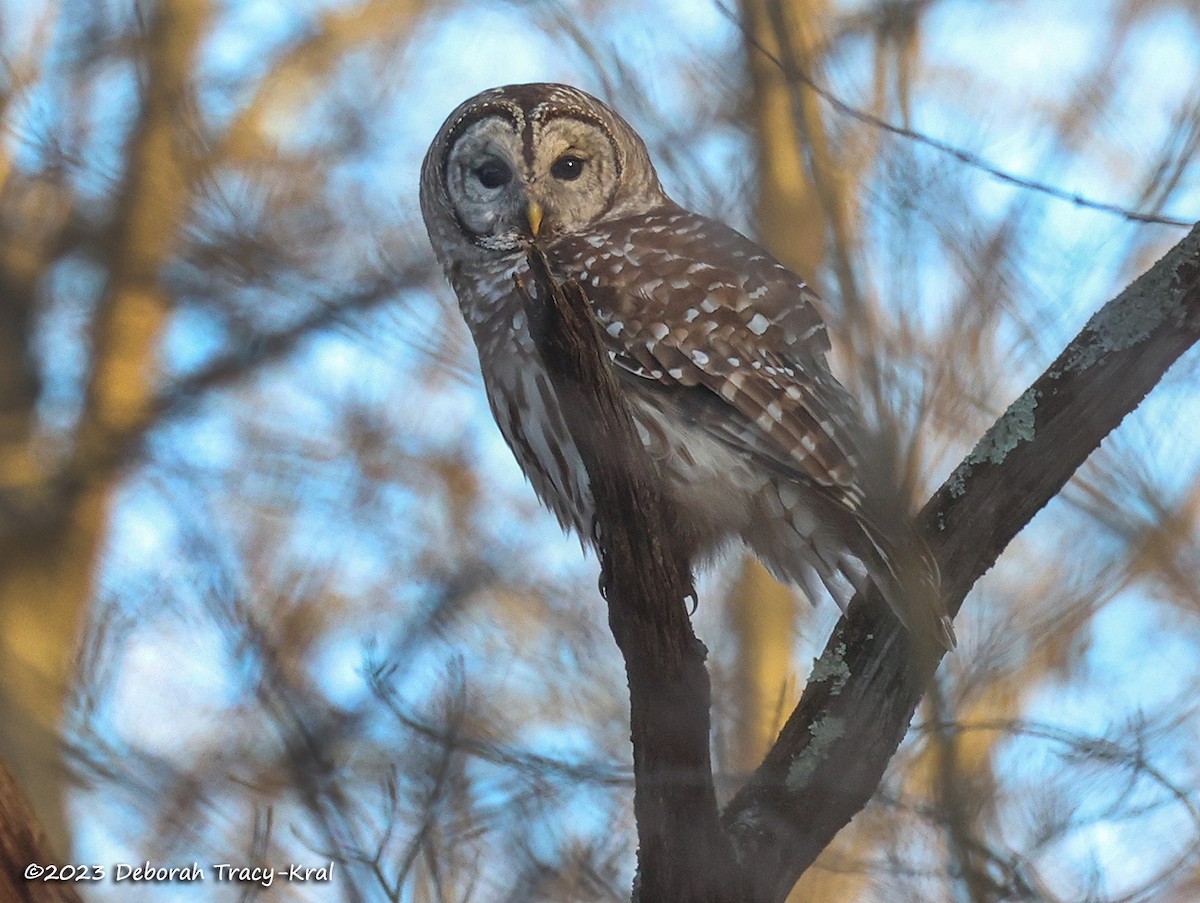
x=567 y=168
x=493 y=173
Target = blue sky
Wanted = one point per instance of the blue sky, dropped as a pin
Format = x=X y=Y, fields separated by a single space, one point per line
x=992 y=71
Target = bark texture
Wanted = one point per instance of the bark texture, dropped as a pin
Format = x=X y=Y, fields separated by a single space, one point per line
x=683 y=854
x=832 y=752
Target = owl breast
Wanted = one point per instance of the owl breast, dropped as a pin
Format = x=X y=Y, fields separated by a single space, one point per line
x=710 y=485
x=719 y=350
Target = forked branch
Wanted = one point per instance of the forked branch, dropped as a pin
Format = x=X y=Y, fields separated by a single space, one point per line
x=832 y=752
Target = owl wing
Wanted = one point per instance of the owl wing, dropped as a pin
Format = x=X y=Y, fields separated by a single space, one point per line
x=687 y=302
x=691 y=307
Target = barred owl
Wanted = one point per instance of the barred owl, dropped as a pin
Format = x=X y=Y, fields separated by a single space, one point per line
x=719 y=349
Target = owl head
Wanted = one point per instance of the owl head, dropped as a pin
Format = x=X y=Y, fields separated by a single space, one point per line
x=532 y=161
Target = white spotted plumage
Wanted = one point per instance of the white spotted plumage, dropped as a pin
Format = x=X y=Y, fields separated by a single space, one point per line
x=721 y=349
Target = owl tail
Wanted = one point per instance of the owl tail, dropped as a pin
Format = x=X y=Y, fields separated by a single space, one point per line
x=827 y=548
x=903 y=569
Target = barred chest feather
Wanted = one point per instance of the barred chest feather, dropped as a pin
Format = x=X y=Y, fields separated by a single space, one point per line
x=710 y=484
x=719 y=349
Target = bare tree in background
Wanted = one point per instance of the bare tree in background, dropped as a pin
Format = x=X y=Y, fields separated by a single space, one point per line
x=318 y=621
x=112 y=255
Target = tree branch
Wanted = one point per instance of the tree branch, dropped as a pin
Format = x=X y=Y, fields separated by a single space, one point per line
x=831 y=754
x=683 y=855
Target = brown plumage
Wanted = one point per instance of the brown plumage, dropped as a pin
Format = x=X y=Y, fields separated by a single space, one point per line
x=719 y=346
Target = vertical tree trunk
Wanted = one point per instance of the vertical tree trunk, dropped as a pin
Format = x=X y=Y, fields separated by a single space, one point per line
x=802 y=209
x=793 y=151
x=791 y=224
x=47 y=569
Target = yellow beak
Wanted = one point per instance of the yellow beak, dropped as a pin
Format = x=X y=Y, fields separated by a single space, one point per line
x=534 y=214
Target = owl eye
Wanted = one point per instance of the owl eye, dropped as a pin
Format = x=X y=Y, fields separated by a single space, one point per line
x=493 y=173
x=567 y=168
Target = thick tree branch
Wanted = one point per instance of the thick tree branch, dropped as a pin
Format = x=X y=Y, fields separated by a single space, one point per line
x=683 y=855
x=831 y=754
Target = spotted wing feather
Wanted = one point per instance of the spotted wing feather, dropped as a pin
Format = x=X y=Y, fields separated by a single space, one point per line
x=719 y=313
x=700 y=306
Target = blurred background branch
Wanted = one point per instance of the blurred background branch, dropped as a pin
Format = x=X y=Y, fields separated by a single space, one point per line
x=273 y=585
